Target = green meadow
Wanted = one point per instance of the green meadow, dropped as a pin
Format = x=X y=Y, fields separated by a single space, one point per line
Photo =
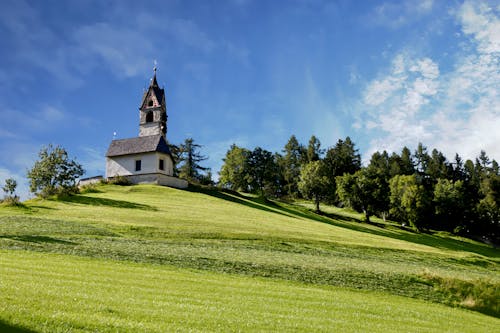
x=154 y=259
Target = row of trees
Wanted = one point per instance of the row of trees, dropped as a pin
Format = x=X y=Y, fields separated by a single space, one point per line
x=420 y=189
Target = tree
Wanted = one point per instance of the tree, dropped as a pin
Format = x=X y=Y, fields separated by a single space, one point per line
x=314 y=184
x=407 y=164
x=176 y=155
x=54 y=172
x=380 y=171
x=341 y=159
x=262 y=171
x=10 y=189
x=488 y=207
x=190 y=158
x=314 y=150
x=449 y=203
x=422 y=159
x=409 y=201
x=438 y=167
x=234 y=172
x=361 y=191
x=294 y=154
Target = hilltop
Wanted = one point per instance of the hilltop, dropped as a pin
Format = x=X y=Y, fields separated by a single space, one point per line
x=158 y=244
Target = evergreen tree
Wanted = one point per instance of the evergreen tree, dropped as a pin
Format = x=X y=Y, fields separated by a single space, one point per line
x=340 y=159
x=437 y=167
x=314 y=150
x=294 y=154
x=421 y=159
x=176 y=156
x=190 y=158
x=407 y=162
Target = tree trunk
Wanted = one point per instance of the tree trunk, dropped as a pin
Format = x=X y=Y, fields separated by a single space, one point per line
x=367 y=215
x=317 y=204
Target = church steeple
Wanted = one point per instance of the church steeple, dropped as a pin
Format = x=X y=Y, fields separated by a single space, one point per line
x=153 y=110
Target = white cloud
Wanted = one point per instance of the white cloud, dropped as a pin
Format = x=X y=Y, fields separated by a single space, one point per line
x=482 y=23
x=394 y=14
x=457 y=111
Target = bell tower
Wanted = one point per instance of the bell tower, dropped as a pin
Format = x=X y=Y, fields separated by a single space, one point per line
x=153 y=111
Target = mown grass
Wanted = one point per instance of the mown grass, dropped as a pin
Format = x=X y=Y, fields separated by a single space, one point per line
x=59 y=293
x=225 y=233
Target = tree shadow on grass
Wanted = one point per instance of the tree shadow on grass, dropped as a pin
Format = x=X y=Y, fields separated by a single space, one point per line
x=85 y=200
x=257 y=203
x=37 y=239
x=405 y=234
x=353 y=224
x=10 y=328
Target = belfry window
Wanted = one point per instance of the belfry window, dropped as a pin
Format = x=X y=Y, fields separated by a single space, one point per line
x=150 y=103
x=149 y=117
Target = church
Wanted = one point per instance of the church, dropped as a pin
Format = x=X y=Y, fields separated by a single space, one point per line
x=146 y=158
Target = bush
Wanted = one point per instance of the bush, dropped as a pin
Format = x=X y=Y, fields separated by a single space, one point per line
x=120 y=180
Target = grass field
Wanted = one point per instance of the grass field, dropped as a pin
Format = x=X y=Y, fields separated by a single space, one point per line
x=147 y=258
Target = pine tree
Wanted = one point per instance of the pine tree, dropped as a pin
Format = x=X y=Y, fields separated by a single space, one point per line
x=191 y=158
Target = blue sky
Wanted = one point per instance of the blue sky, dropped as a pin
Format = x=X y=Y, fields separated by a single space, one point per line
x=250 y=72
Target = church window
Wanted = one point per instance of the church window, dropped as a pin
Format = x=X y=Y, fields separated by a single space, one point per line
x=150 y=103
x=161 y=165
x=137 y=165
x=149 y=117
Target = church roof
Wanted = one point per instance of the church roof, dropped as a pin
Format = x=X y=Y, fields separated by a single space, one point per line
x=141 y=144
x=157 y=91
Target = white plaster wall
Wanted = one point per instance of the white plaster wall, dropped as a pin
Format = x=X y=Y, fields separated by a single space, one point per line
x=125 y=165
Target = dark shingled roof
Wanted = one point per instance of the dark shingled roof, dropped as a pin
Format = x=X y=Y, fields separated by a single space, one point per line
x=158 y=92
x=141 y=144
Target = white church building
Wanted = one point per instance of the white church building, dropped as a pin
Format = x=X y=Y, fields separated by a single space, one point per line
x=146 y=158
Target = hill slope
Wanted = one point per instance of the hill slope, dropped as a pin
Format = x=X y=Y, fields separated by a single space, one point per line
x=230 y=233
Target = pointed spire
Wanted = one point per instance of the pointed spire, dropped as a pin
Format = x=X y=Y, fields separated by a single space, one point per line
x=154 y=83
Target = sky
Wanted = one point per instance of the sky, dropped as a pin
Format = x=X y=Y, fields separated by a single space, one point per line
x=388 y=74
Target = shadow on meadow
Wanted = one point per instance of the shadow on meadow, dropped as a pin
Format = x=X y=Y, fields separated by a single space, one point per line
x=9 y=328
x=352 y=223
x=37 y=239
x=92 y=201
x=256 y=203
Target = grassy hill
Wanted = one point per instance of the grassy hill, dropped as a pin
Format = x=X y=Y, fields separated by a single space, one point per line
x=148 y=258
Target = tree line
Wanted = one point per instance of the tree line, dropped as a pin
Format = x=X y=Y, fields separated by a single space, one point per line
x=420 y=189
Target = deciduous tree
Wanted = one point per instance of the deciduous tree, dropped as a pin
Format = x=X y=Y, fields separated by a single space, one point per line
x=314 y=184
x=54 y=172
x=235 y=170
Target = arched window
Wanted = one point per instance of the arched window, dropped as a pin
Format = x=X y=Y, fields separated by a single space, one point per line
x=149 y=117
